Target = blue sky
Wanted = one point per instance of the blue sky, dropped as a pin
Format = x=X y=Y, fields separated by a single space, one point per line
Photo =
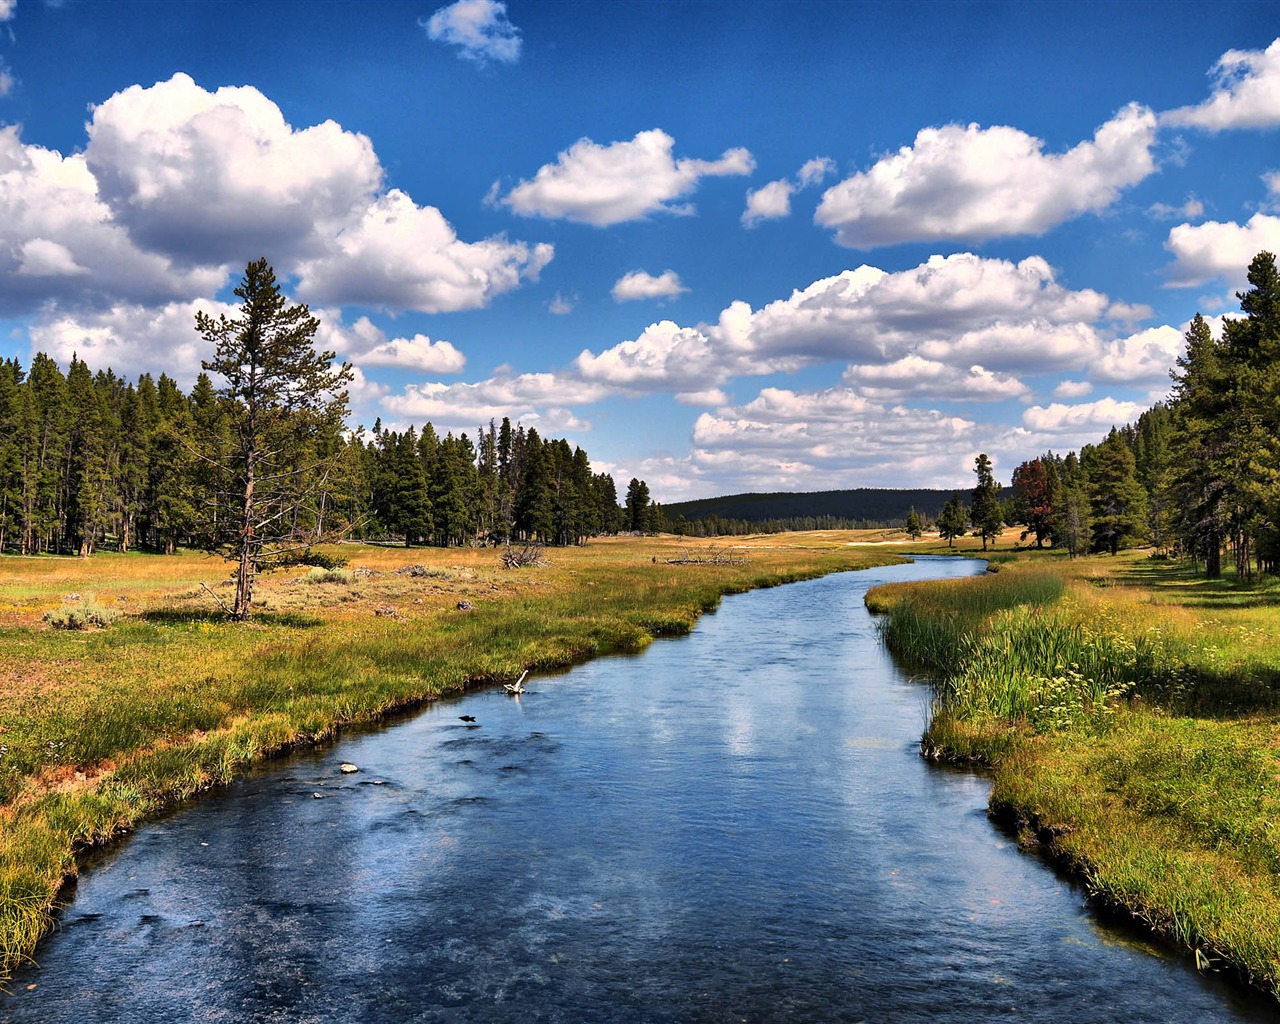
x=724 y=247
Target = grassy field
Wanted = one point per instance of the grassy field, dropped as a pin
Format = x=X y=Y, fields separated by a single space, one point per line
x=1130 y=712
x=103 y=726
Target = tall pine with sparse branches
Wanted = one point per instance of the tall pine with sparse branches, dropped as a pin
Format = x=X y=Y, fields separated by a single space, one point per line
x=282 y=396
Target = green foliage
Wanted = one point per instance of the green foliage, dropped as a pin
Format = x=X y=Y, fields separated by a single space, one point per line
x=322 y=575
x=986 y=512
x=82 y=614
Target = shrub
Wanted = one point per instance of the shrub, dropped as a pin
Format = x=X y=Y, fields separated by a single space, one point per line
x=81 y=615
x=322 y=575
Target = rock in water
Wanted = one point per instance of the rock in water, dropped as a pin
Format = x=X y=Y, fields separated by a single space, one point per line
x=347 y=768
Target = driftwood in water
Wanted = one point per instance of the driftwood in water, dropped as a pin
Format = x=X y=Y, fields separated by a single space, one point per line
x=518 y=686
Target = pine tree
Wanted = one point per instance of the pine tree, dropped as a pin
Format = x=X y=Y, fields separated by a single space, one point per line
x=953 y=520
x=985 y=513
x=279 y=394
x=914 y=526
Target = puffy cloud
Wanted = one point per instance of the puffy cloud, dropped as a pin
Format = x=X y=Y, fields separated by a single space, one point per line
x=535 y=399
x=1215 y=249
x=178 y=183
x=814 y=171
x=829 y=438
x=961 y=308
x=1072 y=389
x=773 y=201
x=366 y=345
x=1087 y=421
x=561 y=306
x=769 y=202
x=1246 y=93
x=478 y=28
x=1143 y=357
x=642 y=285
x=7 y=7
x=976 y=183
x=683 y=360
x=59 y=241
x=604 y=185
x=131 y=339
x=207 y=176
x=959 y=311
x=403 y=256
x=914 y=377
x=416 y=353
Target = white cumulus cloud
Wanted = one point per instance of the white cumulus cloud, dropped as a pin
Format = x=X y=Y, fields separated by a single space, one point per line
x=914 y=377
x=60 y=242
x=479 y=29
x=1246 y=93
x=1216 y=249
x=958 y=312
x=769 y=202
x=773 y=201
x=1084 y=423
x=977 y=183
x=603 y=185
x=640 y=284
x=207 y=177
x=1145 y=357
x=130 y=338
x=365 y=344
x=534 y=399
x=399 y=255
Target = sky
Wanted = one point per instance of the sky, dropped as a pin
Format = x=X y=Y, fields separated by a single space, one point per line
x=723 y=247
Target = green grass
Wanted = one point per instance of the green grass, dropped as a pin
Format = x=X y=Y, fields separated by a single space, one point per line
x=1128 y=711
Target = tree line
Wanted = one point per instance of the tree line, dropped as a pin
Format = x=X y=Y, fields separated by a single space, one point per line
x=89 y=459
x=1197 y=476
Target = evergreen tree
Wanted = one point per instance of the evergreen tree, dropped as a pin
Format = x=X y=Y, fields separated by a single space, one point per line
x=914 y=526
x=1118 y=500
x=986 y=513
x=280 y=393
x=637 y=505
x=953 y=520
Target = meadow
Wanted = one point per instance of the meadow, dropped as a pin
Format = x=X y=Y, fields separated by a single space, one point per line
x=1127 y=709
x=158 y=697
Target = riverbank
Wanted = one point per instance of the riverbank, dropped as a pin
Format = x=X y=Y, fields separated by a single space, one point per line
x=1129 y=712
x=102 y=728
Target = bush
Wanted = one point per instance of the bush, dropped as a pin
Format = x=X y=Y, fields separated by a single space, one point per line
x=321 y=575
x=81 y=615
x=316 y=558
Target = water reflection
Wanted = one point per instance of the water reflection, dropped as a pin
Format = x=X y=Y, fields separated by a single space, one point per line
x=733 y=826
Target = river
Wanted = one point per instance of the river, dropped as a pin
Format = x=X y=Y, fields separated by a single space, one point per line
x=734 y=826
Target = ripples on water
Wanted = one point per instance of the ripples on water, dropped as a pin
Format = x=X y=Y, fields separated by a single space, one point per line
x=734 y=826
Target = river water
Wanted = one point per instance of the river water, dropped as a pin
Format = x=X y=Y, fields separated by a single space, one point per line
x=733 y=826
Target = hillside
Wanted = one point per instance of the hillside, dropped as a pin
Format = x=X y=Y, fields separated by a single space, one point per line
x=870 y=506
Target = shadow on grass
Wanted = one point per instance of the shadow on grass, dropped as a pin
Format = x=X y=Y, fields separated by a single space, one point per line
x=185 y=617
x=1191 y=588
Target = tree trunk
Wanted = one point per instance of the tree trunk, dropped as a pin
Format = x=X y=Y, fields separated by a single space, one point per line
x=247 y=565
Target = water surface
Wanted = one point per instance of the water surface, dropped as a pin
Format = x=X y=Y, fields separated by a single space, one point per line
x=734 y=826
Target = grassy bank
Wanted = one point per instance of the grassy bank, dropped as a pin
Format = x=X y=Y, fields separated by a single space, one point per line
x=102 y=727
x=1129 y=712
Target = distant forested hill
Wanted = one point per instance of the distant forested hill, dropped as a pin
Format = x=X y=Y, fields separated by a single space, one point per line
x=863 y=506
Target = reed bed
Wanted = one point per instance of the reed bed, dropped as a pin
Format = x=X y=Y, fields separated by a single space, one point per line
x=1128 y=712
